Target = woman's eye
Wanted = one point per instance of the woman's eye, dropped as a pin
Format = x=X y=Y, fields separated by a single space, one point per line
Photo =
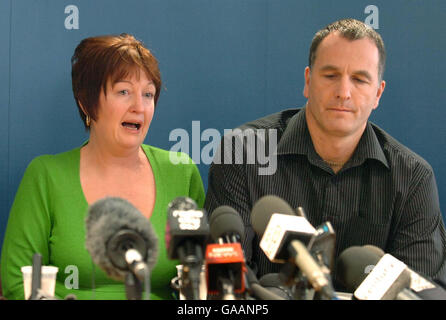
x=149 y=95
x=123 y=92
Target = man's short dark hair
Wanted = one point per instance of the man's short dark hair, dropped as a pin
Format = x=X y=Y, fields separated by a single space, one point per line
x=350 y=29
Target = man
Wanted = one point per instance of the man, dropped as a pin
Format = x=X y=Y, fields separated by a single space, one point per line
x=336 y=164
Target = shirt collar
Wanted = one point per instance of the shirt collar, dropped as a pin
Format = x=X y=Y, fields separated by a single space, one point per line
x=296 y=139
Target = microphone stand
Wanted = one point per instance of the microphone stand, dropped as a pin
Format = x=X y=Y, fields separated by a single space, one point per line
x=192 y=261
x=227 y=287
x=290 y=275
x=36 y=279
x=133 y=287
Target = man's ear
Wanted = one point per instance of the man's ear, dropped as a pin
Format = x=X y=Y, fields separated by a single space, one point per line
x=307 y=82
x=379 y=93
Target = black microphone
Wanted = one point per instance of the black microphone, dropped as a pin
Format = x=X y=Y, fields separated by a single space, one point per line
x=187 y=231
x=257 y=290
x=273 y=214
x=284 y=237
x=227 y=228
x=225 y=261
x=263 y=209
x=361 y=270
x=273 y=283
x=424 y=288
x=226 y=225
x=122 y=242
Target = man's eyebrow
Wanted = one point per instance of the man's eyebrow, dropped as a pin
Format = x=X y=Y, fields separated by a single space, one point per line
x=329 y=67
x=363 y=73
x=149 y=83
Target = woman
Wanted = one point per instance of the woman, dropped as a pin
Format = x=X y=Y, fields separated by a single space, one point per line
x=116 y=84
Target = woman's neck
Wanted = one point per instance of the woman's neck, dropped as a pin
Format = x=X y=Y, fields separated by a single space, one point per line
x=102 y=156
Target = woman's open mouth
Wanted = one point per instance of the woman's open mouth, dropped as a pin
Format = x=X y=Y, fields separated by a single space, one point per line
x=131 y=125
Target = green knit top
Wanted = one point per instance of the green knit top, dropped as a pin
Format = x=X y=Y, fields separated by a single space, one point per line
x=48 y=217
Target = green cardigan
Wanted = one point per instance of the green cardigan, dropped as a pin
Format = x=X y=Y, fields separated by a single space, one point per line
x=48 y=216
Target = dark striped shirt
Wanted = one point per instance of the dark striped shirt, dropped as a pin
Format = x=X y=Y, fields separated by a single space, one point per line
x=385 y=195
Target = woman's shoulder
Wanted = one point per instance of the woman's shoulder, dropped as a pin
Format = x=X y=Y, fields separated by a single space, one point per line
x=166 y=157
x=59 y=161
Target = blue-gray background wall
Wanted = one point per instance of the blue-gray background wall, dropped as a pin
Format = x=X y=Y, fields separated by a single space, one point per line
x=223 y=62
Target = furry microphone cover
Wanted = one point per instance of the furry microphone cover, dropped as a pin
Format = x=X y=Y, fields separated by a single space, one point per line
x=105 y=218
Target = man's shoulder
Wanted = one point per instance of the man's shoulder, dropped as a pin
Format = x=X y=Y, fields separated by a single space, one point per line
x=399 y=155
x=277 y=120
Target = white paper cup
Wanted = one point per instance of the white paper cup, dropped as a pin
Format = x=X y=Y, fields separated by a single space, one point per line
x=48 y=280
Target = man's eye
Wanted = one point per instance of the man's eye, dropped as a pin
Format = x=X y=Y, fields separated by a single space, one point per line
x=359 y=80
x=149 y=95
x=329 y=76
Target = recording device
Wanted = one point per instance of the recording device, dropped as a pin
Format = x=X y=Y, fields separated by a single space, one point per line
x=187 y=231
x=361 y=270
x=284 y=237
x=122 y=242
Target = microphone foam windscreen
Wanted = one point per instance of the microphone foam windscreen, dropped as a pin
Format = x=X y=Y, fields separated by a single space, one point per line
x=353 y=266
x=108 y=216
x=226 y=220
x=263 y=210
x=378 y=251
x=182 y=204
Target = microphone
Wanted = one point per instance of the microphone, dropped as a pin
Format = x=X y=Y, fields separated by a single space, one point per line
x=273 y=283
x=274 y=221
x=122 y=242
x=224 y=269
x=282 y=239
x=259 y=291
x=226 y=225
x=262 y=210
x=225 y=261
x=424 y=288
x=361 y=270
x=187 y=231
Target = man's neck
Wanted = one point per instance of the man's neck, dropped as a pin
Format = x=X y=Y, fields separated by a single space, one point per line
x=336 y=150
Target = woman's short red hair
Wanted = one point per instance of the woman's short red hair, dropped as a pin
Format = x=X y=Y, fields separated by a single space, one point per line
x=97 y=60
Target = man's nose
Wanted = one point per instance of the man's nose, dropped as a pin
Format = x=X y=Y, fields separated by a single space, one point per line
x=343 y=90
